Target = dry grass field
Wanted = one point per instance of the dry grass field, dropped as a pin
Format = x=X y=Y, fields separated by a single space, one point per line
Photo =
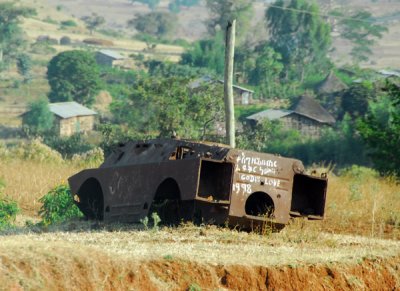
x=357 y=246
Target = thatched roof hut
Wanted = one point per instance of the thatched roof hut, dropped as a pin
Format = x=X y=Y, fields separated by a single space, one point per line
x=331 y=84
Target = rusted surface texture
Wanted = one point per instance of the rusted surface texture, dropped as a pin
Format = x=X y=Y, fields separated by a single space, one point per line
x=198 y=181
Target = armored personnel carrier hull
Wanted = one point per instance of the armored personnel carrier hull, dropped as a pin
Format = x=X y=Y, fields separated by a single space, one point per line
x=198 y=181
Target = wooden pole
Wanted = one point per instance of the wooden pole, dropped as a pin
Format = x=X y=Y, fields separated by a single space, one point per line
x=228 y=81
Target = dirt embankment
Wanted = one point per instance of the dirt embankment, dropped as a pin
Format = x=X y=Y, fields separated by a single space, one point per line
x=196 y=259
x=100 y=272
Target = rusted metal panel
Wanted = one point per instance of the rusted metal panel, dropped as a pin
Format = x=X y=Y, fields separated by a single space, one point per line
x=199 y=181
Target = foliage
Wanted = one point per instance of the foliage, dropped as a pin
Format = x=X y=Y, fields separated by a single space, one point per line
x=90 y=159
x=58 y=206
x=300 y=35
x=340 y=146
x=222 y=11
x=11 y=35
x=175 y=5
x=355 y=99
x=380 y=129
x=114 y=134
x=151 y=3
x=170 y=106
x=24 y=66
x=170 y=69
x=69 y=23
x=69 y=146
x=361 y=30
x=34 y=150
x=266 y=71
x=8 y=211
x=206 y=53
x=73 y=76
x=39 y=119
x=159 y=24
x=93 y=21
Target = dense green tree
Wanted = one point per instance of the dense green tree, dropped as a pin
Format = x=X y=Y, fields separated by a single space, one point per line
x=93 y=21
x=380 y=129
x=170 y=106
x=266 y=71
x=38 y=119
x=221 y=11
x=73 y=75
x=11 y=35
x=300 y=35
x=206 y=53
x=151 y=3
x=159 y=24
x=355 y=99
x=361 y=30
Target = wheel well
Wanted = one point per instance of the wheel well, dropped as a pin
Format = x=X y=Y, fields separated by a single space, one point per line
x=259 y=204
x=168 y=189
x=91 y=199
x=167 y=202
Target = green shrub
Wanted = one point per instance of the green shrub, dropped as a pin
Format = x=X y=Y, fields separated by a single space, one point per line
x=8 y=212
x=58 y=206
x=69 y=146
x=69 y=23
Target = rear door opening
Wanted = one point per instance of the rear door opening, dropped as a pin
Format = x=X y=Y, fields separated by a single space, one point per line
x=308 y=196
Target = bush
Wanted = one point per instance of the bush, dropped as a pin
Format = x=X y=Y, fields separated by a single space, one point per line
x=35 y=150
x=8 y=209
x=58 y=206
x=69 y=23
x=8 y=212
x=69 y=146
x=65 y=40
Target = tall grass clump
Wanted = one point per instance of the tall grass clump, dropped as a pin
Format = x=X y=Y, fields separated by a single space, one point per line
x=360 y=201
x=58 y=206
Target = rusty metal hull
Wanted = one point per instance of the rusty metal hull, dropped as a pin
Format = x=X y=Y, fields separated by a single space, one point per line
x=202 y=182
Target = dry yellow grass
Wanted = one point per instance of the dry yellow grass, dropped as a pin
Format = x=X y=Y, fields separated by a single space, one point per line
x=27 y=181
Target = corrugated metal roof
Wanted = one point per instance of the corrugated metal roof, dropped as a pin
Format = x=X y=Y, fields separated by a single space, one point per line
x=271 y=114
x=70 y=109
x=111 y=54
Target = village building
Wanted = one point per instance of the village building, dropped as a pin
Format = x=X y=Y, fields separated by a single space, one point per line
x=306 y=116
x=241 y=95
x=71 y=118
x=108 y=58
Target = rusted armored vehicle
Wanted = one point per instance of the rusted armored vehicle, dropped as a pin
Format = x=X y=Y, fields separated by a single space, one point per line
x=199 y=181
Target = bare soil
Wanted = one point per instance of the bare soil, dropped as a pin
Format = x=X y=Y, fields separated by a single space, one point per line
x=196 y=258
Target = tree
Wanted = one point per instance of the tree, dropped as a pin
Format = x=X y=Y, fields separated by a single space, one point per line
x=355 y=99
x=24 y=66
x=170 y=106
x=38 y=119
x=300 y=35
x=224 y=10
x=206 y=53
x=266 y=71
x=360 y=29
x=380 y=129
x=151 y=3
x=93 y=21
x=73 y=75
x=159 y=24
x=11 y=35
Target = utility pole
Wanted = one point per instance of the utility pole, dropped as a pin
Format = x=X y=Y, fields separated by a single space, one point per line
x=228 y=82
